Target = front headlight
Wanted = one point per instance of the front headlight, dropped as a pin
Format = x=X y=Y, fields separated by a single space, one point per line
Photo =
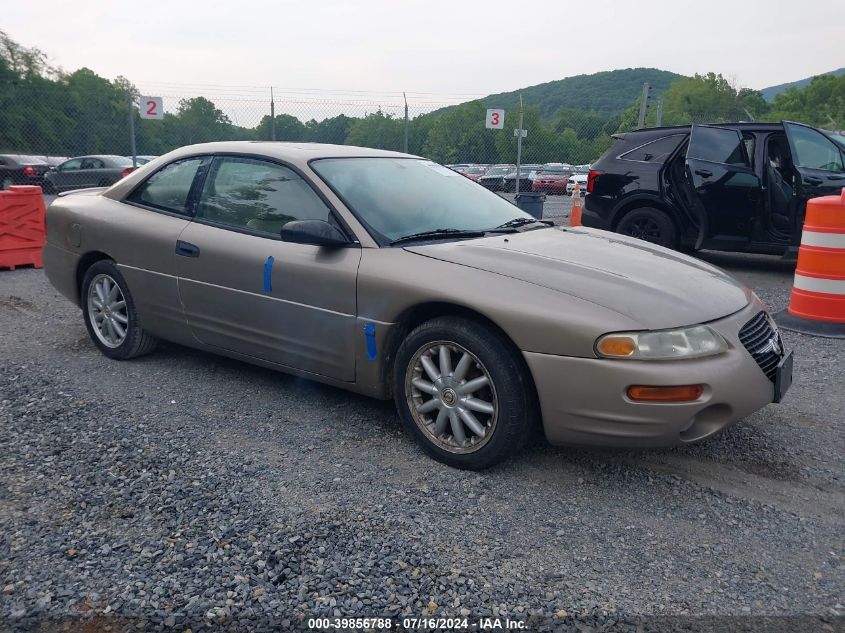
x=690 y=342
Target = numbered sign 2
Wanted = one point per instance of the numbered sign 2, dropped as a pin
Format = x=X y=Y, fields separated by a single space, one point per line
x=150 y=108
x=495 y=120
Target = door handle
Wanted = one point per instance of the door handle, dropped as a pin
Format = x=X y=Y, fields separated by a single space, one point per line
x=186 y=249
x=812 y=180
x=704 y=172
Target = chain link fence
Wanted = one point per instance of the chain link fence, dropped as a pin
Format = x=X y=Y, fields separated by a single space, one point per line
x=86 y=115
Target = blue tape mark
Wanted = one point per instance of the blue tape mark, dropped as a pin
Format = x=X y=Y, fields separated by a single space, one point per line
x=370 y=335
x=268 y=275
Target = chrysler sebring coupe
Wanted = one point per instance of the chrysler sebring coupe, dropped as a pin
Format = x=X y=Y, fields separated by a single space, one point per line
x=393 y=276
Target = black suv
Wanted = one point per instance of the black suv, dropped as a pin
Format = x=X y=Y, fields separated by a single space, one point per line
x=727 y=186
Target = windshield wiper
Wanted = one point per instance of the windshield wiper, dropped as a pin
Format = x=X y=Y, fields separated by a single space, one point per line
x=517 y=222
x=437 y=234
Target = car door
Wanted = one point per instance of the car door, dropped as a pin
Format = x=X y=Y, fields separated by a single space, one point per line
x=245 y=290
x=819 y=167
x=727 y=193
x=141 y=237
x=63 y=177
x=91 y=173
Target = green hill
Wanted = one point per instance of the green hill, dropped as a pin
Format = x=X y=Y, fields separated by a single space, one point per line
x=770 y=92
x=608 y=93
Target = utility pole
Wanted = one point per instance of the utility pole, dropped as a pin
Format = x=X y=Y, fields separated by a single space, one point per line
x=659 y=118
x=405 y=142
x=132 y=129
x=519 y=144
x=272 y=116
x=643 y=105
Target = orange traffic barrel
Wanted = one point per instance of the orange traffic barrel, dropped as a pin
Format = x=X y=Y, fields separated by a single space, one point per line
x=575 y=214
x=817 y=302
x=21 y=226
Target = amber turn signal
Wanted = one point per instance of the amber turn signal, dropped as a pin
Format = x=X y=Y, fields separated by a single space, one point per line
x=619 y=346
x=683 y=393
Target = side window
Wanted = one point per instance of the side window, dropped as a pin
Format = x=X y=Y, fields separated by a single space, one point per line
x=655 y=151
x=70 y=165
x=717 y=145
x=169 y=187
x=258 y=195
x=813 y=150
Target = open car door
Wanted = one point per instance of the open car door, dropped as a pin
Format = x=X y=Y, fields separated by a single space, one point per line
x=726 y=193
x=819 y=165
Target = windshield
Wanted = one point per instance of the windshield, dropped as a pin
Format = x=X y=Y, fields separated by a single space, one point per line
x=497 y=171
x=396 y=197
x=475 y=170
x=554 y=170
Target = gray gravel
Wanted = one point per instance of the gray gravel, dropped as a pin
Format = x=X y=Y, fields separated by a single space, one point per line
x=184 y=490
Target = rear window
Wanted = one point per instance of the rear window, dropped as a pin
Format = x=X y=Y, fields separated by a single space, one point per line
x=656 y=151
x=717 y=145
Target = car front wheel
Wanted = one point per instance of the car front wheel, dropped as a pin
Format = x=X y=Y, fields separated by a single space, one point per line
x=110 y=315
x=463 y=392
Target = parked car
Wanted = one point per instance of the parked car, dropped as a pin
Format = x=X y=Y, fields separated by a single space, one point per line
x=54 y=160
x=579 y=179
x=493 y=178
x=143 y=160
x=21 y=169
x=385 y=274
x=731 y=186
x=551 y=179
x=526 y=177
x=100 y=170
x=474 y=172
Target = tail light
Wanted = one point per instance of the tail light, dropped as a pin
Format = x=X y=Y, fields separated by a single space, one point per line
x=126 y=172
x=591 y=180
x=29 y=170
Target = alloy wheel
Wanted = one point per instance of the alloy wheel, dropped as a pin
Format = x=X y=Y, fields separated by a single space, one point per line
x=451 y=397
x=107 y=311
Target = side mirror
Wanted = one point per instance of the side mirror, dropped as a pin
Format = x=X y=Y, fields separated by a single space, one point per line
x=316 y=232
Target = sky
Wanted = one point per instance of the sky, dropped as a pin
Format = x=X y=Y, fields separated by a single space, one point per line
x=438 y=51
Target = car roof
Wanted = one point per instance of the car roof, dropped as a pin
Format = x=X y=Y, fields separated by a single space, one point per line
x=23 y=158
x=289 y=151
x=744 y=125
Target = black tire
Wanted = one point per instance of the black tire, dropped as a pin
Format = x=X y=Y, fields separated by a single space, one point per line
x=649 y=224
x=47 y=188
x=137 y=341
x=5 y=183
x=511 y=391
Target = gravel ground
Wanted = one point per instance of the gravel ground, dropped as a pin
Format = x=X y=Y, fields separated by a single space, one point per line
x=187 y=491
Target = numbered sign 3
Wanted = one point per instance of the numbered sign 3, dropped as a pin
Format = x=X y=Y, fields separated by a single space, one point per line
x=495 y=120
x=150 y=108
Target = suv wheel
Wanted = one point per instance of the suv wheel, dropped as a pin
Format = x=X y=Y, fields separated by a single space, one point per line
x=463 y=393
x=649 y=224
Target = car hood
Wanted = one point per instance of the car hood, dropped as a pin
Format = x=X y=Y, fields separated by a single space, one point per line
x=654 y=286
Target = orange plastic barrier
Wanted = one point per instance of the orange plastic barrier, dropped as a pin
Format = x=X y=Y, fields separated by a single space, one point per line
x=817 y=302
x=22 y=234
x=575 y=214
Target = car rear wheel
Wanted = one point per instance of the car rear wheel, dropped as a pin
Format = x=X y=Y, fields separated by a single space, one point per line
x=463 y=392
x=6 y=183
x=649 y=224
x=110 y=315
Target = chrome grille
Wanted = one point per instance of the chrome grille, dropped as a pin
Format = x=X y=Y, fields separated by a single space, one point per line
x=763 y=342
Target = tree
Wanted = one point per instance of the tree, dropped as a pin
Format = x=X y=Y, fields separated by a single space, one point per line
x=377 y=130
x=288 y=128
x=198 y=120
x=820 y=103
x=459 y=136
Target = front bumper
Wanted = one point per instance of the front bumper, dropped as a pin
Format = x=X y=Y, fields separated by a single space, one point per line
x=583 y=400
